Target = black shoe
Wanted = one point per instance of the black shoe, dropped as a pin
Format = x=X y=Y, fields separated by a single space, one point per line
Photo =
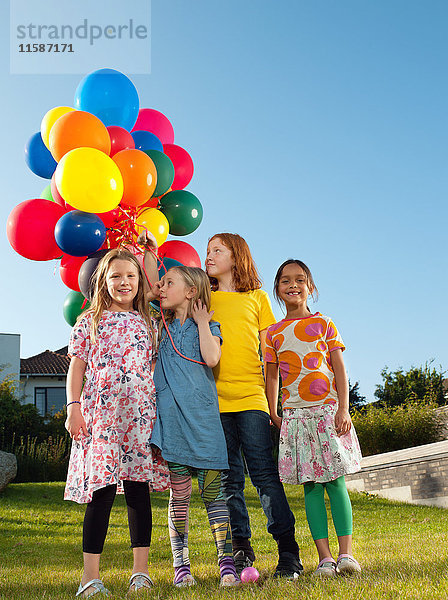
x=289 y=566
x=242 y=560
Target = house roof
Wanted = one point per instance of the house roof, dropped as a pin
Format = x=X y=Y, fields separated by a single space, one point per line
x=46 y=363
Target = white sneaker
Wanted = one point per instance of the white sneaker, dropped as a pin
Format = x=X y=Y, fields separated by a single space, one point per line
x=326 y=568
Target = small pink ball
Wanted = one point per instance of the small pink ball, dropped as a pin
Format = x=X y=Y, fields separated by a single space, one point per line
x=249 y=574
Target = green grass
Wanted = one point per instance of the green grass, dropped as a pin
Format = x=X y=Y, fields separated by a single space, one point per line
x=403 y=550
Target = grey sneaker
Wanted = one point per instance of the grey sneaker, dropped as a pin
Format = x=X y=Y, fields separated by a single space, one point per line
x=347 y=565
x=186 y=581
x=326 y=568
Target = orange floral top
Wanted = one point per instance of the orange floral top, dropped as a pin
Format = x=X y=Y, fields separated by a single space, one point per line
x=302 y=348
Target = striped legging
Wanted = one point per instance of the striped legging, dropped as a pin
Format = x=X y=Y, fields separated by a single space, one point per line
x=210 y=489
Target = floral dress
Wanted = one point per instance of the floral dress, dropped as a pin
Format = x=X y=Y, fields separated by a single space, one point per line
x=118 y=405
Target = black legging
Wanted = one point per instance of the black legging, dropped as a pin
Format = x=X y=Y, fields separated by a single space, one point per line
x=96 y=519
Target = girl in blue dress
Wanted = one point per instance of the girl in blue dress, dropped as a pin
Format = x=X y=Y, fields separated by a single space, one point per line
x=188 y=428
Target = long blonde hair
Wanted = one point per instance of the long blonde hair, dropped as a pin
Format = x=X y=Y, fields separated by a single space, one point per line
x=193 y=277
x=101 y=299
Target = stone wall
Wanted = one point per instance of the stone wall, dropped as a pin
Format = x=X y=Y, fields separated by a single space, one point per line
x=418 y=475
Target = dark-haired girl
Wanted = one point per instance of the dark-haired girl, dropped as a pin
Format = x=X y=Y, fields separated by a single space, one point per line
x=318 y=445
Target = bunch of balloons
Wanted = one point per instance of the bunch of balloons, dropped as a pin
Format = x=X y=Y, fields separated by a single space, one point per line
x=115 y=171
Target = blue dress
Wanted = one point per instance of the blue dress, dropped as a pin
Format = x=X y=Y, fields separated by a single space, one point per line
x=188 y=427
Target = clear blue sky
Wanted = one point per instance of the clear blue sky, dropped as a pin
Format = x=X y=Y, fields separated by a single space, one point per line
x=318 y=131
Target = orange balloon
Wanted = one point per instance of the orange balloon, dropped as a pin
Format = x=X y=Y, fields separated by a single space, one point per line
x=50 y=119
x=139 y=176
x=78 y=129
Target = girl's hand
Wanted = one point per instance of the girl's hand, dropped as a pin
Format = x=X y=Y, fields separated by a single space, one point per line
x=342 y=421
x=75 y=424
x=277 y=421
x=147 y=240
x=154 y=292
x=200 y=313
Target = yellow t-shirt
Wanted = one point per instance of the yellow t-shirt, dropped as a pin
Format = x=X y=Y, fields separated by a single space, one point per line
x=238 y=375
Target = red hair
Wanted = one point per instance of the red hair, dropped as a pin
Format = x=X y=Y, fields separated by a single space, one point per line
x=244 y=272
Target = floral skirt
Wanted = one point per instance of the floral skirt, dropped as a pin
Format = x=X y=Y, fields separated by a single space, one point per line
x=310 y=449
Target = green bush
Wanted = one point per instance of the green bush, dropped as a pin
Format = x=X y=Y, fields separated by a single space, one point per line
x=16 y=419
x=41 y=445
x=384 y=429
x=41 y=461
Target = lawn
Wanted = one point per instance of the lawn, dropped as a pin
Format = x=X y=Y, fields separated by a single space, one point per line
x=403 y=550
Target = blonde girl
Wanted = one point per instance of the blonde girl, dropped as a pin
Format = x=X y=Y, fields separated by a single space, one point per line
x=245 y=313
x=188 y=429
x=110 y=416
x=318 y=444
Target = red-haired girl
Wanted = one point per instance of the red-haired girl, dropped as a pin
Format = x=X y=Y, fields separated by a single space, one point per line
x=245 y=313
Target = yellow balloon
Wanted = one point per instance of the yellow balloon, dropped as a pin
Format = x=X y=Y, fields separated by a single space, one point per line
x=156 y=222
x=50 y=119
x=89 y=180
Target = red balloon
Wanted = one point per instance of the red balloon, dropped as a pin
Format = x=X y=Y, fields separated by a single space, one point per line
x=152 y=203
x=58 y=198
x=56 y=195
x=30 y=229
x=180 y=251
x=111 y=217
x=120 y=139
x=154 y=121
x=113 y=240
x=183 y=165
x=69 y=270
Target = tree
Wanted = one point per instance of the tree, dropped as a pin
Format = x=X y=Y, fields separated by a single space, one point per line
x=355 y=400
x=400 y=387
x=16 y=420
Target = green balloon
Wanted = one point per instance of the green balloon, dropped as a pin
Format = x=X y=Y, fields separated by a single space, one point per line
x=73 y=306
x=183 y=211
x=46 y=193
x=165 y=171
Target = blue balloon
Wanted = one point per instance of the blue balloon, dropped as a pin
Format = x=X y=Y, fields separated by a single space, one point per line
x=79 y=233
x=165 y=265
x=38 y=157
x=145 y=140
x=110 y=96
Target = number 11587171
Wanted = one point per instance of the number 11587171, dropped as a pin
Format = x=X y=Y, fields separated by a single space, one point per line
x=46 y=48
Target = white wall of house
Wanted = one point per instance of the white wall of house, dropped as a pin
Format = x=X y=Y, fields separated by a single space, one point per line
x=10 y=355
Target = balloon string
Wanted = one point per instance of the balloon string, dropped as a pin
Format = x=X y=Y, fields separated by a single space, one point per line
x=199 y=362
x=129 y=235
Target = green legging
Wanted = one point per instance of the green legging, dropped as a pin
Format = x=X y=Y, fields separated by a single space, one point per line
x=316 y=513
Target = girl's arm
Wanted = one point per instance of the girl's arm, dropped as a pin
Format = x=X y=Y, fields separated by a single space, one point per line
x=75 y=424
x=342 y=420
x=147 y=240
x=209 y=344
x=262 y=335
x=271 y=375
